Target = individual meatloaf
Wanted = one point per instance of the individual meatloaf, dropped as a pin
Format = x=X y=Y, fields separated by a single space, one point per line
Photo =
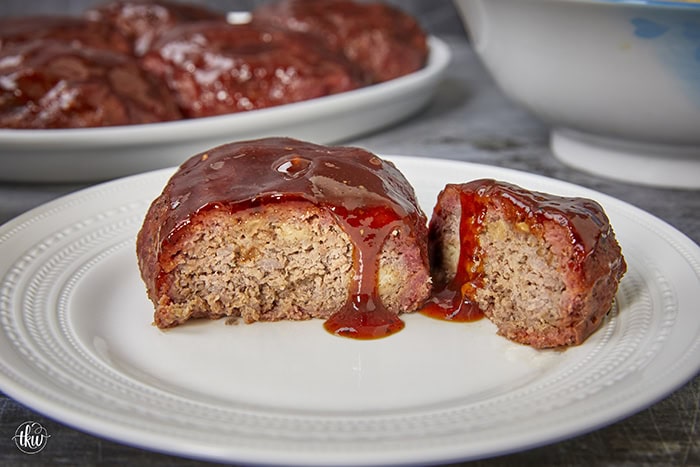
x=142 y=21
x=217 y=68
x=544 y=269
x=74 y=31
x=382 y=40
x=277 y=228
x=54 y=85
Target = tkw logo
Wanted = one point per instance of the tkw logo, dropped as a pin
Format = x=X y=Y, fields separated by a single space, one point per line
x=31 y=437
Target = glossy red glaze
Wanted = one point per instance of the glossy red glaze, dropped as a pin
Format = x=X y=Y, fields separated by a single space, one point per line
x=584 y=220
x=367 y=195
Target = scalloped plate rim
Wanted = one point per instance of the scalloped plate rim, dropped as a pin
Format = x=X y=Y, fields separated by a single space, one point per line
x=667 y=237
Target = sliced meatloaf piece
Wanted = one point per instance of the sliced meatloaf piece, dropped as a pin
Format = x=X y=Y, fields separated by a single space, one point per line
x=543 y=268
x=278 y=228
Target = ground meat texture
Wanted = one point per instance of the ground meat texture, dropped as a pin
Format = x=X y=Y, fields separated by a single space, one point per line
x=279 y=262
x=543 y=268
x=275 y=228
x=214 y=68
x=55 y=85
x=382 y=40
x=143 y=21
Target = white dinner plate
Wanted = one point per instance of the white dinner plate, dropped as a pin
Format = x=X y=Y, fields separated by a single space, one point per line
x=77 y=344
x=89 y=154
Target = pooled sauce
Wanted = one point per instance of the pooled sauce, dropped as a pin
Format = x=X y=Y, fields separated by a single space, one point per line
x=584 y=219
x=364 y=316
x=451 y=301
x=368 y=196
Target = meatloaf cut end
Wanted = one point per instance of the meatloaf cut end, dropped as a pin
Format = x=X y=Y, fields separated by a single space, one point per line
x=286 y=261
x=263 y=231
x=544 y=269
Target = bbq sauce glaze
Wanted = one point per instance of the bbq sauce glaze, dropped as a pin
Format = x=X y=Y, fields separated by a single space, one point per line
x=369 y=198
x=583 y=219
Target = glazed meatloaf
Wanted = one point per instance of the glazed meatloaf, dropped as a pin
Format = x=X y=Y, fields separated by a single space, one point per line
x=77 y=32
x=48 y=84
x=142 y=21
x=543 y=268
x=216 y=68
x=382 y=40
x=277 y=229
x=198 y=62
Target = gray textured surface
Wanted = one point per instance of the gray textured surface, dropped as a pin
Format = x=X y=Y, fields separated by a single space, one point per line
x=469 y=120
